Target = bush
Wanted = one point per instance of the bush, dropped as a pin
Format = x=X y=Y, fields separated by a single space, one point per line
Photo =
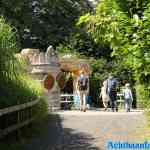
x=8 y=46
x=15 y=85
x=18 y=91
x=143 y=96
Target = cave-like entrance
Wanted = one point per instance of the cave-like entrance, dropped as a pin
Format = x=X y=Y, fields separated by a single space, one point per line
x=68 y=86
x=71 y=67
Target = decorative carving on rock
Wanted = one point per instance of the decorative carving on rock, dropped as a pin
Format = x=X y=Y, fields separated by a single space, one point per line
x=51 y=56
x=49 y=82
x=61 y=80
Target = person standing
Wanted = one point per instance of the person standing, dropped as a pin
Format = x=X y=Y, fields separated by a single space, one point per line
x=128 y=98
x=104 y=95
x=112 y=92
x=83 y=87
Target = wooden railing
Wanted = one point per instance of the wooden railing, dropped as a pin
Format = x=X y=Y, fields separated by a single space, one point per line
x=14 y=117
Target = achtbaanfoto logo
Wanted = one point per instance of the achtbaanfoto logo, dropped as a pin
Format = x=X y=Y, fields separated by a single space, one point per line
x=119 y=145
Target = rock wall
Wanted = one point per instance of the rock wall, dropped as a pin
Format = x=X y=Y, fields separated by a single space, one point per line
x=44 y=67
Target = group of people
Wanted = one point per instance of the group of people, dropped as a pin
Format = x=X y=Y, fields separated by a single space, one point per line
x=108 y=93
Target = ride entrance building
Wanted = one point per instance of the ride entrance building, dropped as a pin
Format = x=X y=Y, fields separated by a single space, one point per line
x=58 y=75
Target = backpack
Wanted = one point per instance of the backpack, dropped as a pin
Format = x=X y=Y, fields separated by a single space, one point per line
x=83 y=83
x=127 y=94
x=111 y=85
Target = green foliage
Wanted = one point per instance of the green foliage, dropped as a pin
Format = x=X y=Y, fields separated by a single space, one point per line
x=103 y=26
x=8 y=47
x=124 y=27
x=65 y=49
x=143 y=95
x=81 y=42
x=131 y=7
x=99 y=69
x=41 y=23
x=99 y=74
x=15 y=86
x=20 y=88
x=41 y=110
x=125 y=30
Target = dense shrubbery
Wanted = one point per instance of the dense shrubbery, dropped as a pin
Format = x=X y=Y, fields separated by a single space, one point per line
x=41 y=23
x=15 y=86
x=143 y=95
x=19 y=90
x=124 y=27
x=116 y=34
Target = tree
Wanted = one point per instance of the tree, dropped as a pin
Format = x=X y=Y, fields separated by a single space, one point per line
x=15 y=85
x=123 y=26
x=43 y=22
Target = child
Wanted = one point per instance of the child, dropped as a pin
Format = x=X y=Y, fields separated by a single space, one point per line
x=128 y=98
x=104 y=96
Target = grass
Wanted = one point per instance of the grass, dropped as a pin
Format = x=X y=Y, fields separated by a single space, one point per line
x=17 y=87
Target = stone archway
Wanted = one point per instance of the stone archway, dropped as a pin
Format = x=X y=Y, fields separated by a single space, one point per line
x=46 y=67
x=74 y=65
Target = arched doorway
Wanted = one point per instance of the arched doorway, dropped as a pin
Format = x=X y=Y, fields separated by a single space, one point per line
x=71 y=67
x=68 y=85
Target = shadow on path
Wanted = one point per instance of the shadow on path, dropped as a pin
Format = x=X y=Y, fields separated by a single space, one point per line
x=55 y=137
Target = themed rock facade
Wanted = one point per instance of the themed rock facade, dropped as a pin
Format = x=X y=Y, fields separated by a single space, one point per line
x=44 y=67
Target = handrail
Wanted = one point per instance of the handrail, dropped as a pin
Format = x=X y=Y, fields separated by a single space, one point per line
x=19 y=124
x=17 y=107
x=14 y=127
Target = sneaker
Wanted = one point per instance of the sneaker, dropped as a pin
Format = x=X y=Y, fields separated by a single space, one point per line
x=105 y=109
x=112 y=110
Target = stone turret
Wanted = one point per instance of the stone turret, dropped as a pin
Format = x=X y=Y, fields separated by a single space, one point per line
x=44 y=67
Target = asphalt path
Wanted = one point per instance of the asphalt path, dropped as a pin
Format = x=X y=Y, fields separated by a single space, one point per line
x=90 y=130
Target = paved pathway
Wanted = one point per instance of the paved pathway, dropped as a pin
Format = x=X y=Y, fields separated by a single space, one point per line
x=91 y=130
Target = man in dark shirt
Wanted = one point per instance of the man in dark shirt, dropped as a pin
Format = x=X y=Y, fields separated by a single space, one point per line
x=112 y=92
